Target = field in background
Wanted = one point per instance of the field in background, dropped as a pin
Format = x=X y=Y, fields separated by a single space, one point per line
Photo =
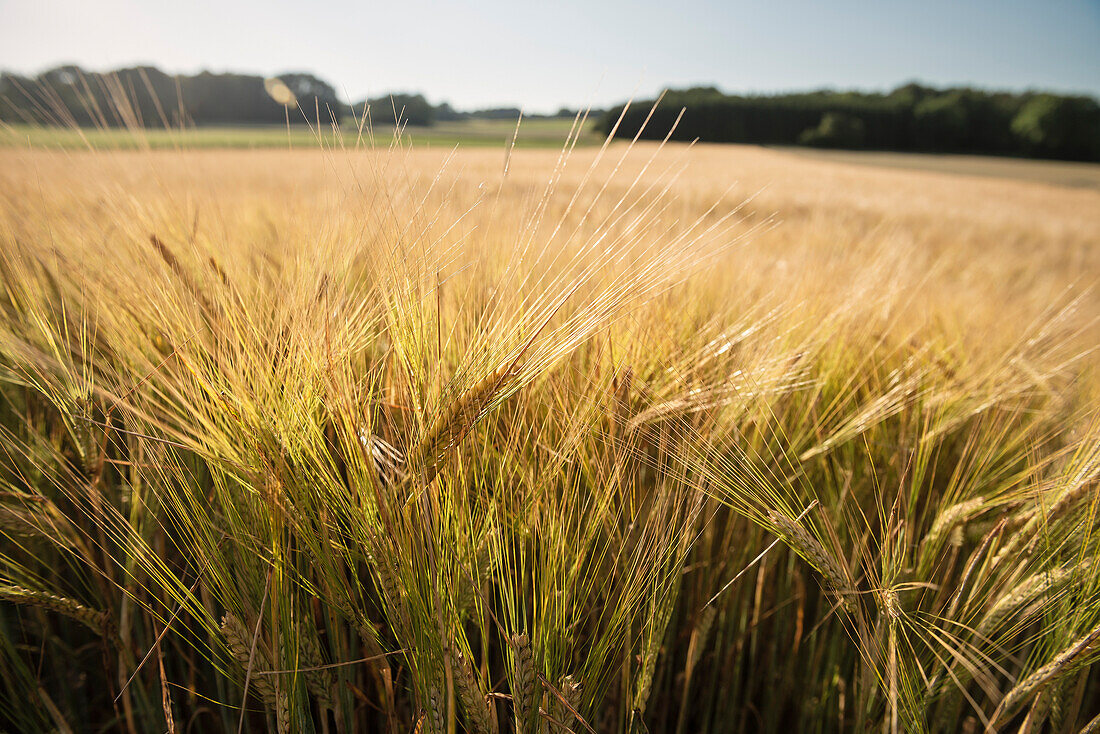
x=535 y=133
x=387 y=439
x=1058 y=173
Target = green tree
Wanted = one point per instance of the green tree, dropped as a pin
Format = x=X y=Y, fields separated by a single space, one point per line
x=411 y=109
x=836 y=130
x=1059 y=127
x=941 y=122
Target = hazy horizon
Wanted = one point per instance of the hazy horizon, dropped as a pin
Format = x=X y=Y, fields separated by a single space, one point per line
x=498 y=54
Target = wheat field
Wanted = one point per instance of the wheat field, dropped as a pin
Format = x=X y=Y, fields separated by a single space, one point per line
x=621 y=439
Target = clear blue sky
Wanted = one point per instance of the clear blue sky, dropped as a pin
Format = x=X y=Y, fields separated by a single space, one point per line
x=541 y=55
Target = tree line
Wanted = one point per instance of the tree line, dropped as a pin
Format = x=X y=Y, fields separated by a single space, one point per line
x=68 y=95
x=146 y=96
x=415 y=109
x=912 y=117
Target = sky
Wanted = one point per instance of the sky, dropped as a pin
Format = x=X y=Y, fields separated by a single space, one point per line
x=544 y=55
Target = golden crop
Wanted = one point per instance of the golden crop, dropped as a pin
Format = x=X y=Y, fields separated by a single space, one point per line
x=368 y=440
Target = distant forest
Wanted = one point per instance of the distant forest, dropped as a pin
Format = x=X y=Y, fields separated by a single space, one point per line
x=68 y=95
x=910 y=118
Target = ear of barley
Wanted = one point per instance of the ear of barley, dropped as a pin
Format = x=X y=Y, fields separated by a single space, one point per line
x=321 y=682
x=184 y=277
x=890 y=604
x=1037 y=713
x=645 y=682
x=467 y=593
x=1033 y=588
x=391 y=590
x=386 y=459
x=1093 y=727
x=565 y=712
x=282 y=712
x=96 y=621
x=165 y=695
x=218 y=271
x=1030 y=591
x=437 y=708
x=1056 y=696
x=836 y=581
x=469 y=693
x=971 y=565
x=84 y=435
x=18 y=522
x=1083 y=483
x=523 y=674
x=450 y=427
x=700 y=636
x=1061 y=664
x=947 y=522
x=239 y=641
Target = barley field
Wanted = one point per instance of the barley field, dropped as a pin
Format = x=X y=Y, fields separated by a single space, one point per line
x=534 y=133
x=607 y=439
